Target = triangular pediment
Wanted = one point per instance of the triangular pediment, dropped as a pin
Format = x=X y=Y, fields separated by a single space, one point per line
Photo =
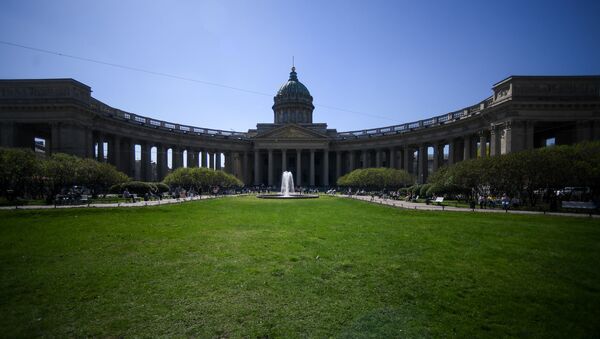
x=291 y=132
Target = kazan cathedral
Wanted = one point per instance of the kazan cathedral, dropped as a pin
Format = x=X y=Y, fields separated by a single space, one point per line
x=522 y=112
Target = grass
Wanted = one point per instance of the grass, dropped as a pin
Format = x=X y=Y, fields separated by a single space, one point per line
x=246 y=267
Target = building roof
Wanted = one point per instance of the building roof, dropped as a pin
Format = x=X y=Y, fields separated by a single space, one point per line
x=293 y=87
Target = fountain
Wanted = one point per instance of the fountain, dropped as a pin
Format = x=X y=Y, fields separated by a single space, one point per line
x=287 y=184
x=287 y=190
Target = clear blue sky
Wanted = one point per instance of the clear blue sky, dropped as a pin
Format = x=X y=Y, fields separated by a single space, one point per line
x=402 y=60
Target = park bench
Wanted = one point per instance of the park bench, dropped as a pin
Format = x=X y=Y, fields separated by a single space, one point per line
x=439 y=200
x=587 y=206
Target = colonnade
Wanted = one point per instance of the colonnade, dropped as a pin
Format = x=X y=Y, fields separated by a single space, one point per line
x=149 y=161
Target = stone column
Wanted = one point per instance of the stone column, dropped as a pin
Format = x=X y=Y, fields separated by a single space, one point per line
x=298 y=175
x=436 y=156
x=210 y=160
x=377 y=158
x=89 y=142
x=351 y=161
x=218 y=160
x=283 y=160
x=516 y=136
x=256 y=167
x=270 y=168
x=100 y=148
x=422 y=164
x=245 y=171
x=145 y=166
x=123 y=156
x=451 y=151
x=312 y=168
x=161 y=162
x=467 y=148
x=392 y=162
x=495 y=140
x=192 y=160
x=338 y=165
x=116 y=152
x=326 y=167
x=406 y=162
x=363 y=157
x=177 y=160
x=132 y=158
x=482 y=144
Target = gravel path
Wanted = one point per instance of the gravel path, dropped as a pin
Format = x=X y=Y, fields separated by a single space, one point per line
x=434 y=207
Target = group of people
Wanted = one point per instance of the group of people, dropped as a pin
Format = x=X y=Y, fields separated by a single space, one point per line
x=491 y=202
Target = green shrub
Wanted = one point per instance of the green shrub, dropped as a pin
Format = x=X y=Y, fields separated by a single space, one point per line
x=116 y=189
x=376 y=178
x=201 y=179
x=161 y=187
x=423 y=190
x=138 y=187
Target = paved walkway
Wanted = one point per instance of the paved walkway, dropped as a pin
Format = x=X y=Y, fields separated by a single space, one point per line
x=112 y=205
x=433 y=207
x=388 y=202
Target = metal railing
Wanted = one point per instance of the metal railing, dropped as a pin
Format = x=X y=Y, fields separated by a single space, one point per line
x=420 y=124
x=447 y=118
x=102 y=108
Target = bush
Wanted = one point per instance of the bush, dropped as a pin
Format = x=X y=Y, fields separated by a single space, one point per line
x=138 y=187
x=414 y=189
x=161 y=187
x=435 y=189
x=201 y=179
x=115 y=189
x=423 y=190
x=376 y=178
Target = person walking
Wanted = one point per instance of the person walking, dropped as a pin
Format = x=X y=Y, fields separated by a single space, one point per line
x=505 y=202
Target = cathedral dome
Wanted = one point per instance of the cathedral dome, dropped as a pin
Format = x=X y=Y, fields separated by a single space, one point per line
x=293 y=87
x=293 y=102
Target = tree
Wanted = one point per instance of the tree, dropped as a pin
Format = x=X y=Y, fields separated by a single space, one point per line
x=20 y=172
x=525 y=174
x=63 y=170
x=99 y=176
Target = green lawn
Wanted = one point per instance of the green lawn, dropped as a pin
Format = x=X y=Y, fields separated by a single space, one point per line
x=246 y=267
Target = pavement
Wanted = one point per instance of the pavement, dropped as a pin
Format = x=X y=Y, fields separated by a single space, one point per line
x=375 y=200
x=112 y=205
x=434 y=207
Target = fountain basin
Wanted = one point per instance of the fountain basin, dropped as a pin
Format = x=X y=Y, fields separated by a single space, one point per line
x=287 y=190
x=288 y=196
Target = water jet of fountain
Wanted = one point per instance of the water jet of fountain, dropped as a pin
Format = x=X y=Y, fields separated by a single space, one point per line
x=287 y=184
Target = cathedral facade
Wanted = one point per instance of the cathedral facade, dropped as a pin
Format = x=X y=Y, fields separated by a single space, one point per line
x=523 y=112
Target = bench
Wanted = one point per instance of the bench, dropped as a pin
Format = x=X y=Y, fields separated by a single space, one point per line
x=439 y=200
x=579 y=205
